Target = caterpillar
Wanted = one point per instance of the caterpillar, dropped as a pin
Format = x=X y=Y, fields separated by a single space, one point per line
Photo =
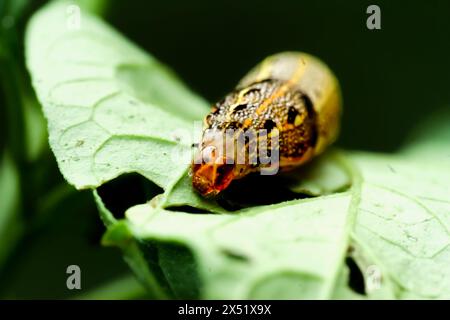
x=291 y=96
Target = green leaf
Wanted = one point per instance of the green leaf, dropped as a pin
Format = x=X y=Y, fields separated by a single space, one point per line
x=254 y=253
x=87 y=80
x=182 y=194
x=112 y=109
x=401 y=232
x=325 y=175
x=137 y=257
x=403 y=222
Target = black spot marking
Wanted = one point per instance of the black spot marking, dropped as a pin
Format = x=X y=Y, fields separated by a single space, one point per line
x=292 y=114
x=312 y=116
x=269 y=125
x=308 y=103
x=239 y=108
x=233 y=125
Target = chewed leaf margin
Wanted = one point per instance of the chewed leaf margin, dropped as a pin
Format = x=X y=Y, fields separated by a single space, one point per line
x=88 y=81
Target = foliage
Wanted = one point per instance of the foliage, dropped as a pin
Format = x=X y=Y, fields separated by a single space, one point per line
x=113 y=109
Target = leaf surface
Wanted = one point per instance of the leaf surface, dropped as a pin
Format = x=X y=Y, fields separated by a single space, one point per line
x=113 y=109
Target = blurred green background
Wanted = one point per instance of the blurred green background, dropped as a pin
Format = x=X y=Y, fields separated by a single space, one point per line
x=392 y=79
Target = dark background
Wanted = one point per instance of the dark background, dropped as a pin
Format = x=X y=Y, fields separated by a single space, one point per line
x=391 y=78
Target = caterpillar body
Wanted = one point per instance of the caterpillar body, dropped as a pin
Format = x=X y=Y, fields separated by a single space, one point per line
x=291 y=96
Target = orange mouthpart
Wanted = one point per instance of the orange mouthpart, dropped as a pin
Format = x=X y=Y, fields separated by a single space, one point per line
x=211 y=178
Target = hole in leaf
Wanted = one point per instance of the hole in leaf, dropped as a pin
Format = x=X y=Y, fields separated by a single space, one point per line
x=188 y=209
x=356 y=278
x=126 y=191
